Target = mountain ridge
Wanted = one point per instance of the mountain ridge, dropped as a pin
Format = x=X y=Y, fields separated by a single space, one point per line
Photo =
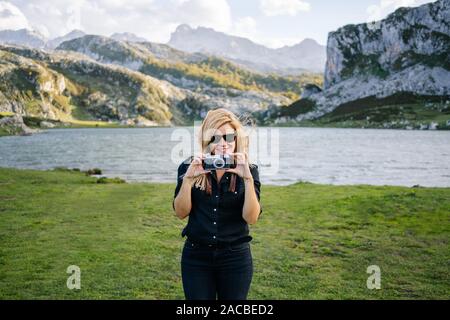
x=257 y=56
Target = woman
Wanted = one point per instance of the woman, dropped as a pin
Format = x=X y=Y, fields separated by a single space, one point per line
x=216 y=260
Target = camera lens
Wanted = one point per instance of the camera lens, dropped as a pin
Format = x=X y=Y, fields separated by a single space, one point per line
x=219 y=163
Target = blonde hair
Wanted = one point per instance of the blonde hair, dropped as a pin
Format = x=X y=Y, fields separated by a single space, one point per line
x=214 y=120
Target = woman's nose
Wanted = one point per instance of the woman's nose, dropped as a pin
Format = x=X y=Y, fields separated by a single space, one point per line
x=222 y=143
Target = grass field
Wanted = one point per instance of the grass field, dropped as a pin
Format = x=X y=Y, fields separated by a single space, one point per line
x=311 y=241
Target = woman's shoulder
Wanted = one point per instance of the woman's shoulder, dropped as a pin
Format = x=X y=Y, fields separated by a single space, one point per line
x=254 y=170
x=253 y=166
x=185 y=163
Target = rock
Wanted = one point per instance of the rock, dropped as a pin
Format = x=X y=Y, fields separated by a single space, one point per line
x=14 y=125
x=127 y=122
x=143 y=122
x=310 y=89
x=46 y=124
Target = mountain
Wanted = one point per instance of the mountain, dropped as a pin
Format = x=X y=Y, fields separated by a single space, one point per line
x=52 y=44
x=210 y=80
x=305 y=56
x=127 y=36
x=396 y=69
x=34 y=39
x=116 y=84
x=23 y=37
x=214 y=81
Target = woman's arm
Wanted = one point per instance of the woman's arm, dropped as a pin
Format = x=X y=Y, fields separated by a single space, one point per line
x=183 y=202
x=252 y=208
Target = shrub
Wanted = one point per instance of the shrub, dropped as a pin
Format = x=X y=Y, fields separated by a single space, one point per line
x=106 y=180
x=94 y=171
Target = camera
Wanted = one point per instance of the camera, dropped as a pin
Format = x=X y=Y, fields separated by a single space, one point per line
x=219 y=161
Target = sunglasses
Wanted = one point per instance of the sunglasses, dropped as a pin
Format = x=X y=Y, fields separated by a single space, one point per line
x=229 y=137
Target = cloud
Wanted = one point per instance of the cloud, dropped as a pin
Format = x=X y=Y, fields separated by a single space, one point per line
x=280 y=42
x=154 y=20
x=215 y=14
x=52 y=18
x=11 y=17
x=245 y=27
x=42 y=30
x=381 y=10
x=283 y=7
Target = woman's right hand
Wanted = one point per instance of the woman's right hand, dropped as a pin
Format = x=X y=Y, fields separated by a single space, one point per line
x=195 y=169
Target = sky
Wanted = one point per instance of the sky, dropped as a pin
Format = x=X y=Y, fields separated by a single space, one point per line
x=273 y=23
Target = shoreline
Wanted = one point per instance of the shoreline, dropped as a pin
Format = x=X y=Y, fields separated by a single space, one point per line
x=3 y=133
x=135 y=182
x=37 y=125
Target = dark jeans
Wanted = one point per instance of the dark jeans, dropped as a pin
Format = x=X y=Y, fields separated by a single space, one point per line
x=225 y=273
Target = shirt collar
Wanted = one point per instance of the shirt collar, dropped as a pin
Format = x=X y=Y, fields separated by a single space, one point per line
x=224 y=177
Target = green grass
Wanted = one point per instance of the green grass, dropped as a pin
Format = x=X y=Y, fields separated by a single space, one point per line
x=404 y=110
x=395 y=116
x=400 y=110
x=311 y=242
x=6 y=114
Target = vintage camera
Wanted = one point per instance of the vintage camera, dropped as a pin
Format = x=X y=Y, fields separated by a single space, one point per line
x=218 y=162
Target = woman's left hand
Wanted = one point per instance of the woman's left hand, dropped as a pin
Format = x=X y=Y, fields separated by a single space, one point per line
x=242 y=167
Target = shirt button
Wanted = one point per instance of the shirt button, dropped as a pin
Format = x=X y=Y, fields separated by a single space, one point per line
x=215 y=222
x=214 y=237
x=215 y=209
x=217 y=196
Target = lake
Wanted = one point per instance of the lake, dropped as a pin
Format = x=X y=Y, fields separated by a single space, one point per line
x=319 y=155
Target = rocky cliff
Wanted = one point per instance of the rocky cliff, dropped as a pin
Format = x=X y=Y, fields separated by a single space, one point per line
x=407 y=37
x=406 y=54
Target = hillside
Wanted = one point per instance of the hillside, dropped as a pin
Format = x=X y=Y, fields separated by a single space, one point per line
x=129 y=85
x=190 y=71
x=193 y=83
x=62 y=86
